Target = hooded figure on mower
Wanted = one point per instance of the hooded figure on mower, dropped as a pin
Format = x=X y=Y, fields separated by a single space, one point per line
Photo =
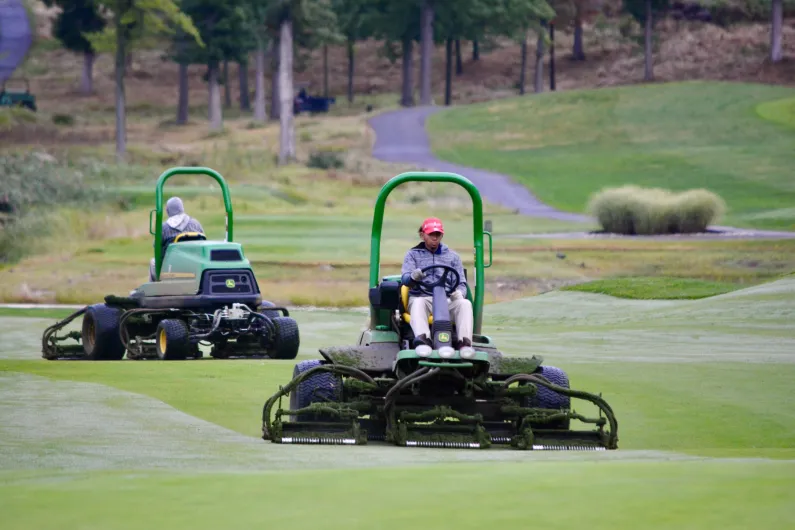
x=177 y=223
x=431 y=251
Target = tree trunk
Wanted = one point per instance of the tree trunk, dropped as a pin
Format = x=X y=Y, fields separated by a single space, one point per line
x=227 y=88
x=275 y=106
x=539 y=77
x=182 y=104
x=475 y=50
x=351 y=64
x=259 y=85
x=552 y=57
x=242 y=69
x=459 y=65
x=407 y=98
x=648 y=74
x=325 y=70
x=121 y=111
x=287 y=128
x=523 y=69
x=577 y=52
x=87 y=81
x=448 y=74
x=777 y=15
x=426 y=52
x=216 y=119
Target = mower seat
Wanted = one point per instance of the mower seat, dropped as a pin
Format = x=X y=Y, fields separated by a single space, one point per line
x=190 y=236
x=404 y=301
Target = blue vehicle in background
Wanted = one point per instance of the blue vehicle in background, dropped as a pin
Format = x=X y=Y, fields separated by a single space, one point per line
x=305 y=103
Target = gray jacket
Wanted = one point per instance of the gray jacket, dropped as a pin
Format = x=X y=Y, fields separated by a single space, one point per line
x=420 y=257
x=186 y=224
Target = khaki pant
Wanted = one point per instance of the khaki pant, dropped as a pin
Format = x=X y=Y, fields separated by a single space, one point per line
x=420 y=308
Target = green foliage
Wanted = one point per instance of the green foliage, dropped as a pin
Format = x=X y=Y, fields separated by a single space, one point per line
x=76 y=18
x=143 y=23
x=634 y=210
x=393 y=21
x=225 y=28
x=325 y=159
x=637 y=8
x=11 y=117
x=727 y=12
x=352 y=18
x=656 y=288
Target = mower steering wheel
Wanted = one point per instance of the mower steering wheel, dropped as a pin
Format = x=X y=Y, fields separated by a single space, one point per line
x=427 y=287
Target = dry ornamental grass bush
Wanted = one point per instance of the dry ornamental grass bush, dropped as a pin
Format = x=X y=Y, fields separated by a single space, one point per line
x=633 y=210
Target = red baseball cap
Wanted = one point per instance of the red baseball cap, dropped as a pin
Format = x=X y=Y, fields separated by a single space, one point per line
x=432 y=224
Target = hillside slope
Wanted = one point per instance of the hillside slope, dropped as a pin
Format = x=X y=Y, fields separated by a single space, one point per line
x=686 y=50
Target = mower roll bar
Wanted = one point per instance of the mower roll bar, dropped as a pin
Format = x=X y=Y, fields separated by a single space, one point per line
x=477 y=229
x=158 y=230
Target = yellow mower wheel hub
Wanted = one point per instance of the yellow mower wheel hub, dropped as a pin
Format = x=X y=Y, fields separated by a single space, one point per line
x=162 y=340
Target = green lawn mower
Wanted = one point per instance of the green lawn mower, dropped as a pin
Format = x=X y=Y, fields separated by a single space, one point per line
x=204 y=292
x=17 y=98
x=381 y=390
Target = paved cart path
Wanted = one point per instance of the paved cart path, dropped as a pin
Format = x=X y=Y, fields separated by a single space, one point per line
x=401 y=137
x=15 y=36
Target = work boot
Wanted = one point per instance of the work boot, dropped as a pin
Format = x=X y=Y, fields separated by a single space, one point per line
x=466 y=350
x=423 y=346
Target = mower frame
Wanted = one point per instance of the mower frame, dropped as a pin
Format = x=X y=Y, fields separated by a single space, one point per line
x=382 y=390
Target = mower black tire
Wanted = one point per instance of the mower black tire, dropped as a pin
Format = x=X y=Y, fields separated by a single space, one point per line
x=172 y=340
x=317 y=388
x=549 y=399
x=263 y=308
x=286 y=339
x=100 y=333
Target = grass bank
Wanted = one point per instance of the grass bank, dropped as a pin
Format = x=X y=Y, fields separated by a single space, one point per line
x=566 y=146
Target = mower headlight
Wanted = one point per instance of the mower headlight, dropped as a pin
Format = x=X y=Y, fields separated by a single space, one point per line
x=446 y=352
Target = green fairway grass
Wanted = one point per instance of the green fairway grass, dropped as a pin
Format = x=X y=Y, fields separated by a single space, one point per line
x=699 y=388
x=656 y=288
x=611 y=495
x=734 y=139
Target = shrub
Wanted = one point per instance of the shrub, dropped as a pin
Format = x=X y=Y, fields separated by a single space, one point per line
x=35 y=186
x=648 y=211
x=325 y=160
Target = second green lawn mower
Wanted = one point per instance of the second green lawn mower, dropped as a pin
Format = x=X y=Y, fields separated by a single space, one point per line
x=381 y=389
x=203 y=292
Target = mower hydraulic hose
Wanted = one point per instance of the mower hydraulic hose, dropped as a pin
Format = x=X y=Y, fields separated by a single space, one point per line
x=284 y=390
x=596 y=400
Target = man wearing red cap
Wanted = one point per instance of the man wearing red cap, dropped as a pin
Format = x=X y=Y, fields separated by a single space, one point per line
x=431 y=251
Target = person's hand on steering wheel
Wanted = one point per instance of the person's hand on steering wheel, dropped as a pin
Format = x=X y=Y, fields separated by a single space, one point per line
x=427 y=286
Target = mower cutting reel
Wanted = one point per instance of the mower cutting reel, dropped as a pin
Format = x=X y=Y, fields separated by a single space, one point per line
x=381 y=389
x=203 y=293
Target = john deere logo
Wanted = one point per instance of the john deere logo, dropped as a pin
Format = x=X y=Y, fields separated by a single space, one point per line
x=444 y=337
x=230 y=284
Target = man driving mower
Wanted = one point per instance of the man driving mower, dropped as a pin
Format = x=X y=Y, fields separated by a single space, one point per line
x=431 y=251
x=177 y=223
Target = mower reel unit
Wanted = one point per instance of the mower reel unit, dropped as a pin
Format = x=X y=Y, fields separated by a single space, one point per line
x=204 y=292
x=380 y=389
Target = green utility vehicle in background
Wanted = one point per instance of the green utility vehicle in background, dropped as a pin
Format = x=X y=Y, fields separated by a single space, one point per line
x=9 y=98
x=381 y=390
x=204 y=292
